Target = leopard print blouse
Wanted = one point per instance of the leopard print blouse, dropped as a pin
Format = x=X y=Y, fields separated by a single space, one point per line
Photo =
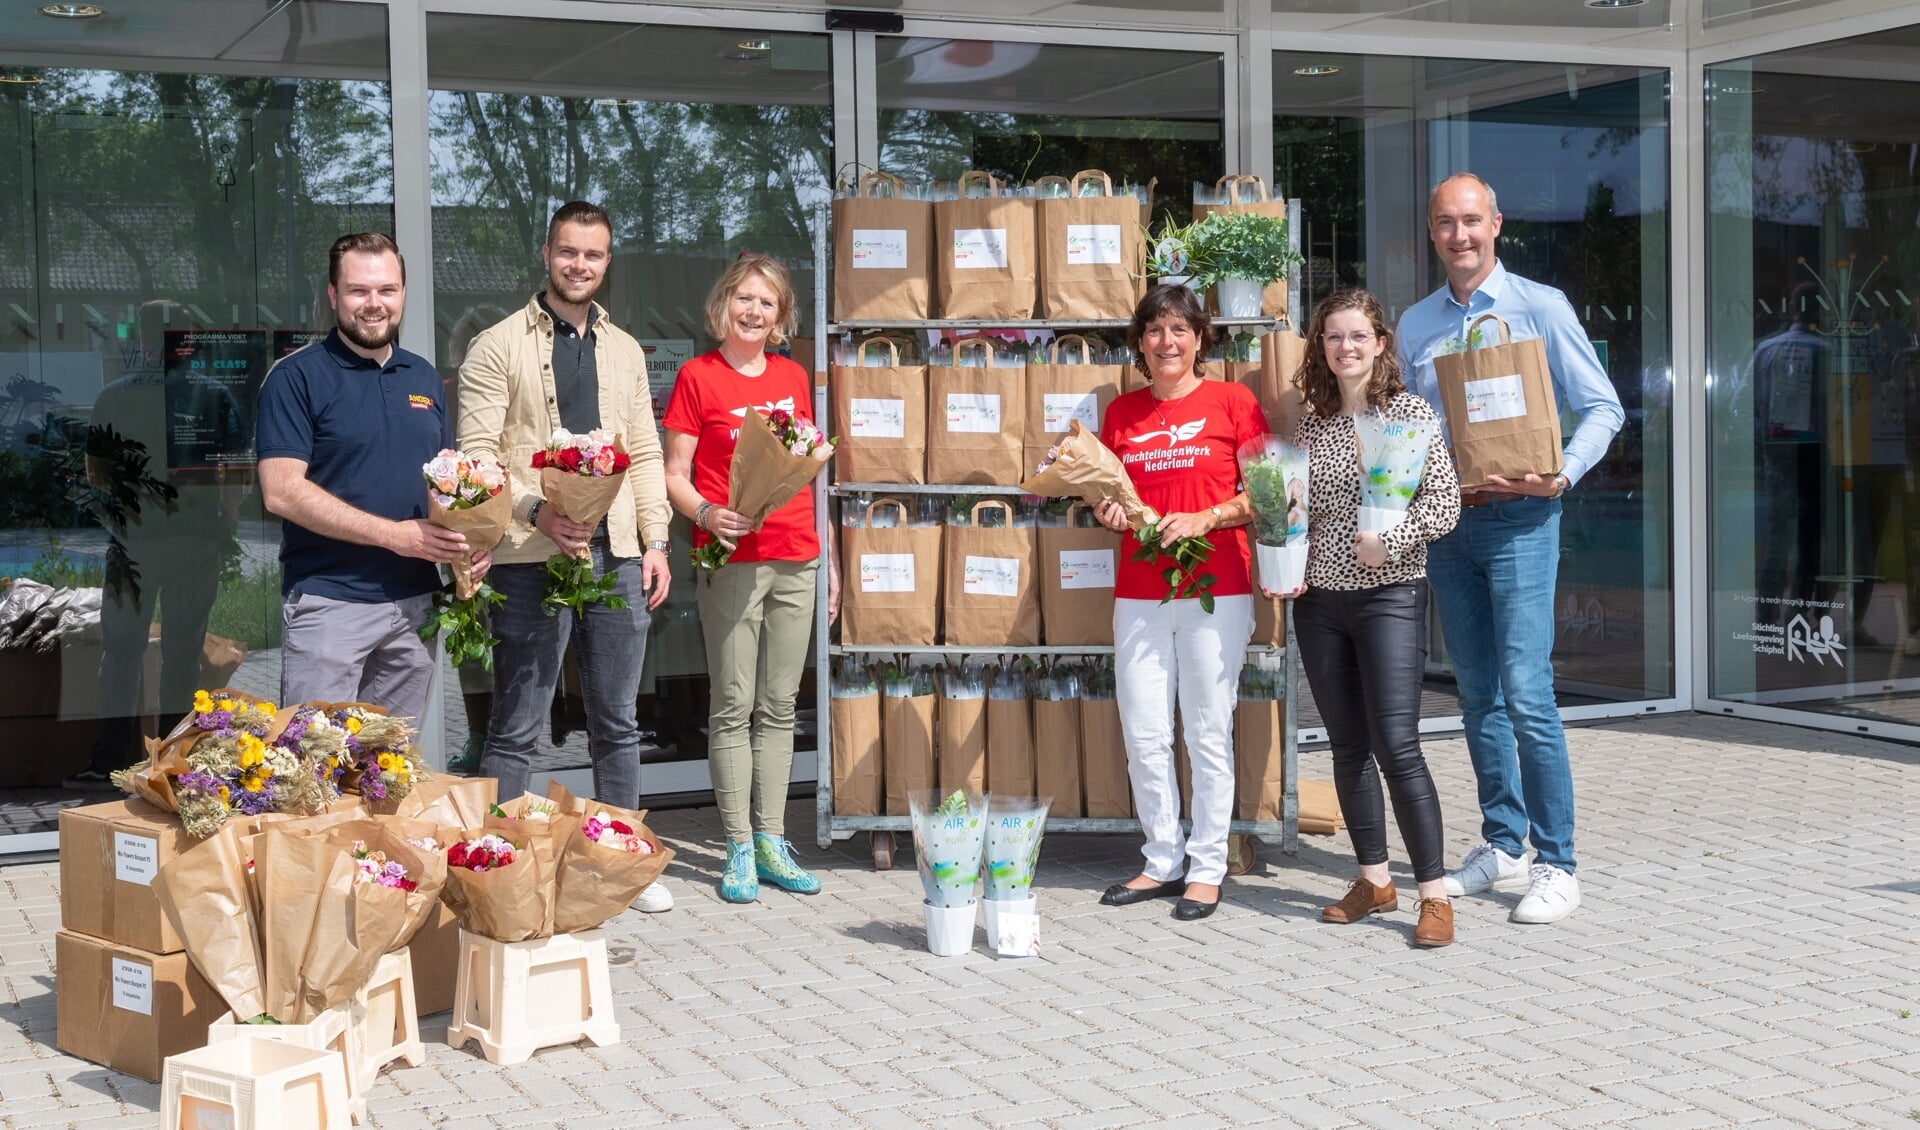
x=1333 y=484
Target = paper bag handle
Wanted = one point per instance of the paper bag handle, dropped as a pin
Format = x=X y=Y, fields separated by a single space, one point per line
x=994 y=503
x=960 y=186
x=893 y=351
x=1086 y=349
x=1504 y=338
x=1076 y=504
x=876 y=180
x=1065 y=186
x=982 y=342
x=893 y=502
x=1232 y=182
x=1085 y=175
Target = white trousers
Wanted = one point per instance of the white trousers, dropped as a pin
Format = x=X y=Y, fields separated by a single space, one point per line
x=1168 y=651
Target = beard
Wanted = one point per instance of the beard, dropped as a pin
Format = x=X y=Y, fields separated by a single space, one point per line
x=380 y=339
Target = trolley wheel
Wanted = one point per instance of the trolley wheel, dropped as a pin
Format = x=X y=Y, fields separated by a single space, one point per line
x=1243 y=852
x=882 y=843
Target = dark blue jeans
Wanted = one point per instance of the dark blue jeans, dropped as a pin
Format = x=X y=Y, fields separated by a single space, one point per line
x=609 y=646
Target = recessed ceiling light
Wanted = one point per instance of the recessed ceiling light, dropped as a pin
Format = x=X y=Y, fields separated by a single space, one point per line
x=20 y=78
x=73 y=11
x=1615 y=3
x=1317 y=70
x=761 y=45
x=629 y=103
x=1731 y=88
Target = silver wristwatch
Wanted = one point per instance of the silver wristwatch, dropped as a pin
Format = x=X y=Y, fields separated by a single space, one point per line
x=662 y=546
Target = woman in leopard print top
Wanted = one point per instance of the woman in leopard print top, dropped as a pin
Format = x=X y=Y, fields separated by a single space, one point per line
x=1362 y=621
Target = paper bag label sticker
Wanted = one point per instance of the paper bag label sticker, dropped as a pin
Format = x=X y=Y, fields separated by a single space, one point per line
x=886 y=572
x=979 y=248
x=133 y=986
x=1495 y=398
x=135 y=858
x=1086 y=568
x=877 y=419
x=1057 y=409
x=973 y=412
x=879 y=249
x=991 y=576
x=1093 y=244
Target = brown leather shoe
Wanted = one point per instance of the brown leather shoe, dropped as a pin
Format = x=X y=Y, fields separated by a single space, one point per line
x=1361 y=899
x=1435 y=927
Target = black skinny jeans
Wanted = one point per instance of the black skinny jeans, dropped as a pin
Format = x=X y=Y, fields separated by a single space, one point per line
x=1364 y=651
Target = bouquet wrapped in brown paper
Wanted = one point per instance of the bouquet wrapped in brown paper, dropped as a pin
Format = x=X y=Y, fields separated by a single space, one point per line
x=608 y=858
x=208 y=896
x=445 y=801
x=501 y=875
x=224 y=759
x=400 y=853
x=323 y=926
x=777 y=455
x=469 y=497
x=1082 y=467
x=580 y=477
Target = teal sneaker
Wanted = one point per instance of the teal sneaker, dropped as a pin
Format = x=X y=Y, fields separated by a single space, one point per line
x=466 y=763
x=773 y=859
x=739 y=884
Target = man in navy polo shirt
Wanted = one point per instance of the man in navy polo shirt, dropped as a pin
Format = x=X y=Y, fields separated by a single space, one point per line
x=344 y=427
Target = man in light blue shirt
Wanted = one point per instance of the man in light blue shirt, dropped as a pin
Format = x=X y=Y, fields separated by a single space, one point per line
x=1493 y=576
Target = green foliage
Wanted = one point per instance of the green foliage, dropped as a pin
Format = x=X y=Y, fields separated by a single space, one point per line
x=469 y=639
x=1175 y=251
x=247 y=609
x=1183 y=577
x=571 y=584
x=1241 y=245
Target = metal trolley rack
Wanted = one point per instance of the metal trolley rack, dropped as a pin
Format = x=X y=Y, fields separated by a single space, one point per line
x=1284 y=832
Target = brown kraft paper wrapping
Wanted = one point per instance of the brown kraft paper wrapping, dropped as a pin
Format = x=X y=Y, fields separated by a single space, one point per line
x=483 y=526
x=1257 y=763
x=764 y=474
x=962 y=763
x=445 y=800
x=880 y=415
x=1269 y=620
x=1281 y=400
x=207 y=895
x=167 y=756
x=1010 y=768
x=583 y=498
x=593 y=883
x=906 y=736
x=858 y=785
x=1249 y=194
x=976 y=418
x=882 y=267
x=1056 y=755
x=1088 y=471
x=1500 y=408
x=322 y=932
x=990 y=596
x=1092 y=252
x=1103 y=760
x=508 y=904
x=1058 y=392
x=1077 y=570
x=428 y=870
x=983 y=253
x=891 y=590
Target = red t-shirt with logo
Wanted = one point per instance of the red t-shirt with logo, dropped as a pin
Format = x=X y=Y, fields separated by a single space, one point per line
x=710 y=399
x=1182 y=456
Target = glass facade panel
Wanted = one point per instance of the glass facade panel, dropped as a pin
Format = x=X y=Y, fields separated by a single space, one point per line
x=163 y=238
x=1578 y=158
x=1813 y=213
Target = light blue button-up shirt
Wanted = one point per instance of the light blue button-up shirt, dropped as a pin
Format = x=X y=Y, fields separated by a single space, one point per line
x=1437 y=325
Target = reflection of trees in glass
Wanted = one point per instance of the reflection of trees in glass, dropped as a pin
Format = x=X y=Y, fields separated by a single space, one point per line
x=1318 y=162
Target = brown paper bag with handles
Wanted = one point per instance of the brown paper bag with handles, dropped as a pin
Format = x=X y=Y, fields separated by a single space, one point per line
x=208 y=897
x=983 y=253
x=1320 y=809
x=1103 y=760
x=583 y=498
x=882 y=261
x=890 y=592
x=976 y=418
x=1247 y=193
x=990 y=595
x=1010 y=763
x=1091 y=251
x=858 y=784
x=322 y=933
x=1059 y=392
x=483 y=526
x=1056 y=755
x=880 y=415
x=1182 y=767
x=594 y=883
x=1078 y=567
x=1281 y=399
x=1500 y=408
x=1257 y=762
x=906 y=738
x=962 y=760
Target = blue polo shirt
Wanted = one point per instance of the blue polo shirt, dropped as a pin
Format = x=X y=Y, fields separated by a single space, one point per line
x=364 y=430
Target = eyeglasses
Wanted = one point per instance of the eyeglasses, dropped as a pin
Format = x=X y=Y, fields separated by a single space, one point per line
x=1360 y=340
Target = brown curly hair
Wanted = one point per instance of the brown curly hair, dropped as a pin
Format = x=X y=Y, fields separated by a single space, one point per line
x=1316 y=380
x=1160 y=300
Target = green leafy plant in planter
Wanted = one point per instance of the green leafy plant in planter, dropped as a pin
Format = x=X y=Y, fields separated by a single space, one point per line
x=1241 y=245
x=1174 y=254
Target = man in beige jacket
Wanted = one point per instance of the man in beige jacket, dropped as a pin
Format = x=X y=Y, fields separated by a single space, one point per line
x=560 y=363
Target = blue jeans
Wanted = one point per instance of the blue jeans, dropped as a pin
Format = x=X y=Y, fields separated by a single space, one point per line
x=526 y=670
x=1493 y=582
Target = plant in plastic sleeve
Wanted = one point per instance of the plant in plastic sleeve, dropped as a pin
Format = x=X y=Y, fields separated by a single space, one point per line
x=1015 y=826
x=1393 y=456
x=468 y=496
x=580 y=476
x=777 y=455
x=1276 y=478
x=949 y=836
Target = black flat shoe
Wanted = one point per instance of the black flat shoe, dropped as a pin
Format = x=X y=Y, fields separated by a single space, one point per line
x=1122 y=895
x=1187 y=910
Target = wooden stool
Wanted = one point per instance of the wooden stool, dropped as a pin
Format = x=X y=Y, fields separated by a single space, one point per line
x=254 y=1084
x=517 y=997
x=388 y=1016
x=337 y=1030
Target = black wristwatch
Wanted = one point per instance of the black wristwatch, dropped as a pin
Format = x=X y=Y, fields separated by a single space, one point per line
x=533 y=512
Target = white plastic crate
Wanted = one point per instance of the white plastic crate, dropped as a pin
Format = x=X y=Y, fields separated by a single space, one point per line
x=515 y=998
x=337 y=1030
x=253 y=1084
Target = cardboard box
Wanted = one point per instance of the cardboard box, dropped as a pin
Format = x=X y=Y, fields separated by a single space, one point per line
x=128 y=1008
x=109 y=854
x=436 y=962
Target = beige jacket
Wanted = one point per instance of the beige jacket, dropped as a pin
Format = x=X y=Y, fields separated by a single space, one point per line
x=508 y=409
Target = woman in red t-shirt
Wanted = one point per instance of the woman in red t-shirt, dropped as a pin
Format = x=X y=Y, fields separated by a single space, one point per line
x=1179 y=438
x=756 y=611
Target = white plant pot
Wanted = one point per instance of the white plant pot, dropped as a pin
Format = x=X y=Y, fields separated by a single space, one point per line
x=1240 y=298
x=1283 y=568
x=949 y=928
x=1013 y=926
x=1379 y=519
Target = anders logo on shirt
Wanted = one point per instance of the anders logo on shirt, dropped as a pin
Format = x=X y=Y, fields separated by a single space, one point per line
x=1179 y=452
x=784 y=404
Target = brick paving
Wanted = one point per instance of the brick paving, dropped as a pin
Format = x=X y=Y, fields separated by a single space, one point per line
x=1748 y=954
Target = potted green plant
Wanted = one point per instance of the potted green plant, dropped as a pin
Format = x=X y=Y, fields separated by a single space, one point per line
x=1242 y=253
x=1173 y=258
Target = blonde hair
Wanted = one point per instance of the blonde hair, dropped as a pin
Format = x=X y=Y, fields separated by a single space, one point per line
x=770 y=272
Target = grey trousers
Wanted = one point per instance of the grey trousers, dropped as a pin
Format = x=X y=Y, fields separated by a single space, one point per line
x=339 y=651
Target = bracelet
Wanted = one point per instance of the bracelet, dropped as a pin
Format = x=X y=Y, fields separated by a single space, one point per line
x=701 y=513
x=533 y=512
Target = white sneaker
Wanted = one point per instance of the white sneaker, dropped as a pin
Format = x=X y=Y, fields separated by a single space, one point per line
x=1487 y=868
x=655 y=898
x=1553 y=895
